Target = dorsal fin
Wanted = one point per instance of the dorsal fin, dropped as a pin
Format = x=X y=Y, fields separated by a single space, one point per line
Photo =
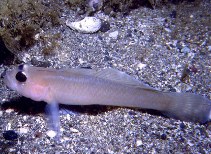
x=112 y=75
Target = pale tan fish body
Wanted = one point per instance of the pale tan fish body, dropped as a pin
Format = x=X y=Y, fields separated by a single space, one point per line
x=103 y=87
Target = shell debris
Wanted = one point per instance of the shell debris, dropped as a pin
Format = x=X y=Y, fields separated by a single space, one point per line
x=86 y=25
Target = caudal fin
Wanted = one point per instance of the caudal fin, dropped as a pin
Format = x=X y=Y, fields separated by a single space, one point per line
x=188 y=107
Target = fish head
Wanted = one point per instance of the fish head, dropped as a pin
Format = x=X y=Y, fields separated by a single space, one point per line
x=25 y=80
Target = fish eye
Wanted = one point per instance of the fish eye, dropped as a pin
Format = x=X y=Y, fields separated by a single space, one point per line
x=21 y=77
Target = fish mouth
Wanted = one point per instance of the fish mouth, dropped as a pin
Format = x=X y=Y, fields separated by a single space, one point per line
x=3 y=74
x=209 y=118
x=7 y=78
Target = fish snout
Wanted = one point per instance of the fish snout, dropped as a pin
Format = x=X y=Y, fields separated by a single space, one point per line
x=4 y=73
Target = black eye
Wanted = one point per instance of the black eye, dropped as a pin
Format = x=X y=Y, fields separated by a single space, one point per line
x=21 y=77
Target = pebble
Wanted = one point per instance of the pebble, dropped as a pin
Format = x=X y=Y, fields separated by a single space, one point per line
x=209 y=48
x=51 y=133
x=114 y=34
x=9 y=110
x=95 y=4
x=81 y=61
x=23 y=130
x=185 y=50
x=74 y=130
x=10 y=135
x=105 y=26
x=182 y=126
x=141 y=66
x=139 y=143
x=173 y=14
x=167 y=30
x=189 y=142
x=163 y=136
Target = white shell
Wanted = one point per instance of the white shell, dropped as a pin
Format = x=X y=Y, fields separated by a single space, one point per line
x=87 y=25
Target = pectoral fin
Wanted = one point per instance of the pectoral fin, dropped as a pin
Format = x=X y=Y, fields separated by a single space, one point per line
x=52 y=111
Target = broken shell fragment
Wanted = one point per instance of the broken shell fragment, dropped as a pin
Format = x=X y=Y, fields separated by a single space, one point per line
x=86 y=25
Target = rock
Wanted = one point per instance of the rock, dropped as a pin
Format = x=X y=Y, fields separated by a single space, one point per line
x=209 y=48
x=140 y=66
x=139 y=143
x=51 y=133
x=10 y=135
x=185 y=50
x=105 y=26
x=114 y=34
x=95 y=4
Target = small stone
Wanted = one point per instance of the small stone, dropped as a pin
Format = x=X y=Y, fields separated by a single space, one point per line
x=163 y=136
x=131 y=113
x=23 y=130
x=129 y=33
x=38 y=134
x=105 y=26
x=114 y=34
x=95 y=4
x=173 y=14
x=188 y=87
x=141 y=66
x=185 y=50
x=64 y=139
x=171 y=89
x=193 y=69
x=10 y=135
x=9 y=110
x=139 y=143
x=178 y=45
x=51 y=133
x=151 y=39
x=190 y=143
x=191 y=55
x=26 y=57
x=167 y=30
x=209 y=48
x=107 y=10
x=182 y=126
x=81 y=61
x=74 y=130
x=37 y=36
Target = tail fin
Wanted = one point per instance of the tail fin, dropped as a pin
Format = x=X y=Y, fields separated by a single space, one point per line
x=188 y=107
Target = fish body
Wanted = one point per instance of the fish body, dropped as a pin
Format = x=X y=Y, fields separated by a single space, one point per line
x=79 y=86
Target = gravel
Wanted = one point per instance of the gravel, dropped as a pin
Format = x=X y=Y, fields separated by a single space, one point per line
x=167 y=47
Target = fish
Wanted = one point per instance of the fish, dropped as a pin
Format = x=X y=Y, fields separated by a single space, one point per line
x=108 y=86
